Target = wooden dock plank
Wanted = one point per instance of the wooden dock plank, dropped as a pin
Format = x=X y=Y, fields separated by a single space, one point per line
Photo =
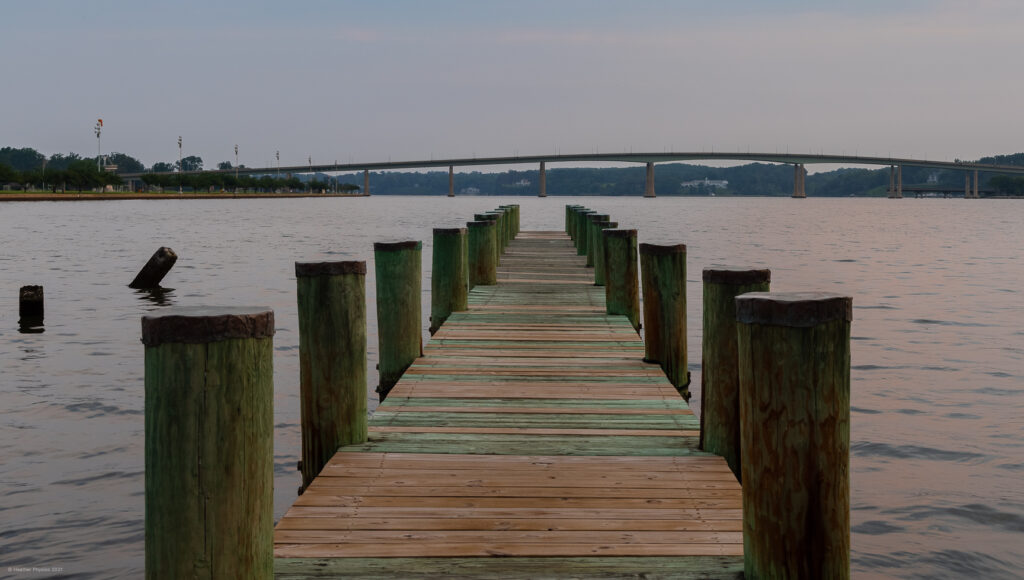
x=531 y=429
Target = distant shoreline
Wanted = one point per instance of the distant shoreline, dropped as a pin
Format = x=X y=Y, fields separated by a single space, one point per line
x=93 y=196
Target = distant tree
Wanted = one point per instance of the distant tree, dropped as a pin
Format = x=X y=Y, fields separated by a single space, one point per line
x=60 y=161
x=191 y=163
x=162 y=167
x=125 y=163
x=83 y=174
x=7 y=173
x=24 y=159
x=224 y=165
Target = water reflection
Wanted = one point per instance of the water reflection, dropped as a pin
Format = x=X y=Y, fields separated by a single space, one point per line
x=158 y=296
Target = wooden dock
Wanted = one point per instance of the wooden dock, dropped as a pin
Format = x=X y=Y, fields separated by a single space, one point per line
x=531 y=441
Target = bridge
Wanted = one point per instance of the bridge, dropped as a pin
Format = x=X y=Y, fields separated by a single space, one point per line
x=798 y=160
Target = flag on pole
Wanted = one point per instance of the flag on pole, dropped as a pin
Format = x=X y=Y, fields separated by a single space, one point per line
x=100 y=122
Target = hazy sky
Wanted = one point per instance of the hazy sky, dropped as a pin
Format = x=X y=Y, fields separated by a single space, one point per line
x=366 y=81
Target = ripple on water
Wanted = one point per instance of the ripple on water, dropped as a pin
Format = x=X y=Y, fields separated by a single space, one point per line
x=872 y=449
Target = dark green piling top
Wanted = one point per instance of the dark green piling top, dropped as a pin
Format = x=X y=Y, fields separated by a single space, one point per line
x=736 y=275
x=204 y=324
x=449 y=231
x=793 y=309
x=397 y=246
x=480 y=224
x=598 y=217
x=310 y=269
x=662 y=250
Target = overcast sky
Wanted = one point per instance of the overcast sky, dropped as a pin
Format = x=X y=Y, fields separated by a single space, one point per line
x=369 y=81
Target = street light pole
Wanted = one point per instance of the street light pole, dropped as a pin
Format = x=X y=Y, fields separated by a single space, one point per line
x=277 y=154
x=236 y=163
x=180 y=168
x=99 y=129
x=310 y=174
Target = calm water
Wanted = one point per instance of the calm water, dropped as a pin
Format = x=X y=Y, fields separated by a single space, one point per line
x=938 y=345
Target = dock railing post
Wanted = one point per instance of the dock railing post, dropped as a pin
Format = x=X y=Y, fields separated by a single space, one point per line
x=599 y=251
x=398 y=266
x=663 y=276
x=592 y=233
x=794 y=369
x=209 y=442
x=449 y=278
x=483 y=263
x=719 y=377
x=332 y=360
x=622 y=287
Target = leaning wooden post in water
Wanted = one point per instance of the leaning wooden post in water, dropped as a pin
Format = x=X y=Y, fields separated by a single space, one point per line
x=159 y=264
x=592 y=235
x=209 y=447
x=794 y=369
x=622 y=288
x=599 y=251
x=663 y=276
x=483 y=263
x=398 y=267
x=449 y=278
x=332 y=360
x=719 y=377
x=30 y=303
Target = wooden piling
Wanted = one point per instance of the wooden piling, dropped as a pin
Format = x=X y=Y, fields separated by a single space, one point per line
x=794 y=370
x=599 y=251
x=492 y=217
x=573 y=218
x=483 y=263
x=159 y=264
x=209 y=449
x=592 y=233
x=399 y=335
x=449 y=278
x=30 y=303
x=622 y=288
x=719 y=377
x=581 y=231
x=663 y=276
x=332 y=359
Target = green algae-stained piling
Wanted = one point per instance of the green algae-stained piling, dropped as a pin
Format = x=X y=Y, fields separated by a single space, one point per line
x=493 y=217
x=592 y=234
x=159 y=264
x=449 y=278
x=482 y=237
x=530 y=441
x=209 y=449
x=794 y=369
x=663 y=276
x=581 y=231
x=719 y=377
x=599 y=251
x=332 y=359
x=622 y=286
x=399 y=271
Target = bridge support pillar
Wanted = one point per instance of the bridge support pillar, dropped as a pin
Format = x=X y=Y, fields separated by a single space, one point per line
x=967 y=187
x=976 y=194
x=451 y=181
x=799 y=179
x=649 y=182
x=543 y=181
x=366 y=182
x=892 y=182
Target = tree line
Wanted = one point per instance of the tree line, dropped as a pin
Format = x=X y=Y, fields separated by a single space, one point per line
x=27 y=168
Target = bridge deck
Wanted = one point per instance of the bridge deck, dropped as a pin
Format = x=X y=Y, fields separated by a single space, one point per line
x=531 y=430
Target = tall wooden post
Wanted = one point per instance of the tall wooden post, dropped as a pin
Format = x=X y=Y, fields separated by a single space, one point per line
x=332 y=359
x=449 y=278
x=399 y=335
x=573 y=218
x=719 y=377
x=496 y=218
x=663 y=275
x=794 y=368
x=622 y=288
x=581 y=231
x=592 y=233
x=483 y=262
x=209 y=423
x=599 y=251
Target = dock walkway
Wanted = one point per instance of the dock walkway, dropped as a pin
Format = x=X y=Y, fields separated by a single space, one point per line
x=530 y=441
